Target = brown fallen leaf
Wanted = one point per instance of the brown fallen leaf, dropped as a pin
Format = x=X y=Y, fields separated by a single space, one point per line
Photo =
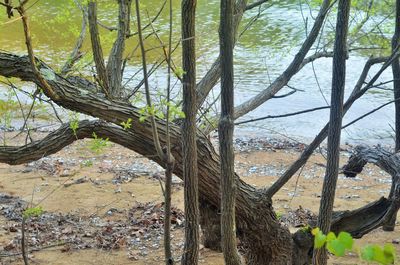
x=10 y=246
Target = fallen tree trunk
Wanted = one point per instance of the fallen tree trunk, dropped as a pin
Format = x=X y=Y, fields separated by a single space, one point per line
x=388 y=162
x=268 y=242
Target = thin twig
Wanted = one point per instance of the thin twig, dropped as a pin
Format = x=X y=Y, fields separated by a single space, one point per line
x=283 y=115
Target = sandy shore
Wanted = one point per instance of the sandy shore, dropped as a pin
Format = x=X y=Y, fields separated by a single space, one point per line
x=105 y=208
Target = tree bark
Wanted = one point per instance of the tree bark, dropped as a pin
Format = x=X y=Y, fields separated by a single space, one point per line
x=396 y=75
x=114 y=65
x=264 y=239
x=335 y=126
x=225 y=133
x=210 y=223
x=190 y=171
x=270 y=245
x=396 y=88
x=97 y=50
x=389 y=163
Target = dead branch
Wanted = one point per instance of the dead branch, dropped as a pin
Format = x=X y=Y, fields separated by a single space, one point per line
x=388 y=162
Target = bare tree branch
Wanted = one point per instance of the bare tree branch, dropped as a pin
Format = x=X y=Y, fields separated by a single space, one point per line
x=282 y=115
x=255 y=4
x=96 y=48
x=291 y=70
x=357 y=92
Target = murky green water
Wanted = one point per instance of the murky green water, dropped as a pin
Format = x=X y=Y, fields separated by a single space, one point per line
x=261 y=54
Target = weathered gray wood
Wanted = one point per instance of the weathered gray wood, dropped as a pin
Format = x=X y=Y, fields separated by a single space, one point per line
x=389 y=163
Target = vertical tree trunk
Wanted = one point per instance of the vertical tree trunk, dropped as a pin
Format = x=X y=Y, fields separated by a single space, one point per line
x=114 y=65
x=396 y=74
x=389 y=226
x=335 y=124
x=170 y=161
x=225 y=133
x=191 y=194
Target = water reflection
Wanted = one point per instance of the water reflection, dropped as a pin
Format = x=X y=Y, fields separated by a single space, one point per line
x=261 y=54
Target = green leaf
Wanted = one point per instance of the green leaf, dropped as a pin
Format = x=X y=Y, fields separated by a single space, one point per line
x=315 y=231
x=330 y=237
x=389 y=252
x=383 y=256
x=367 y=253
x=378 y=255
x=32 y=212
x=336 y=247
x=142 y=118
x=127 y=124
x=319 y=239
x=346 y=239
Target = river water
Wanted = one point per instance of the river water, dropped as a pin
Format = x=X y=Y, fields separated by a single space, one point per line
x=261 y=54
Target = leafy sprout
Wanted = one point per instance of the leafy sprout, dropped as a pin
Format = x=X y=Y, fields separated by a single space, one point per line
x=338 y=245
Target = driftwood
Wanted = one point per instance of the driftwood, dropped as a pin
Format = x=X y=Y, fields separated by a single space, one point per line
x=375 y=214
x=381 y=212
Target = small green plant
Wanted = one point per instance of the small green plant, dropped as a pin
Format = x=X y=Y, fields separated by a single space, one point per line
x=374 y=253
x=74 y=122
x=174 y=110
x=127 y=124
x=97 y=144
x=8 y=109
x=148 y=111
x=278 y=215
x=306 y=229
x=338 y=245
x=87 y=163
x=32 y=212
